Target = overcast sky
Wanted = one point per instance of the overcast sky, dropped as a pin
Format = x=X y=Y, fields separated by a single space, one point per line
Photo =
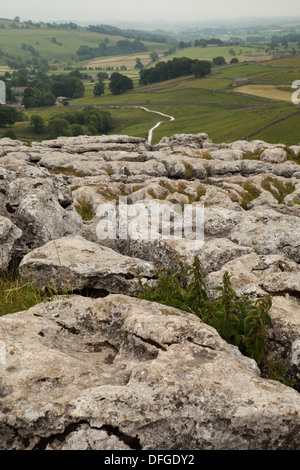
x=99 y=11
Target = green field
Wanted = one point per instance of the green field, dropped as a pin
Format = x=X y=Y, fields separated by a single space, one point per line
x=209 y=104
x=243 y=53
x=62 y=51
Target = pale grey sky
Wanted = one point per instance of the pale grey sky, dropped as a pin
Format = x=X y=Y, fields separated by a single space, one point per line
x=99 y=11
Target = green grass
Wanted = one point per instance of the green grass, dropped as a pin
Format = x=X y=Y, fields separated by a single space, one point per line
x=277 y=188
x=16 y=296
x=208 y=53
x=240 y=70
x=223 y=116
x=223 y=124
x=285 y=132
x=84 y=209
x=11 y=41
x=251 y=194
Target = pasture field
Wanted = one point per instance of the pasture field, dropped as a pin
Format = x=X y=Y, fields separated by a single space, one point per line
x=209 y=104
x=128 y=61
x=285 y=132
x=265 y=91
x=59 y=45
x=243 y=53
x=286 y=61
x=240 y=70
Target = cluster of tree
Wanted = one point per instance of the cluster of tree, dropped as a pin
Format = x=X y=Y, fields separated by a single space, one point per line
x=206 y=42
x=174 y=68
x=277 y=40
x=9 y=115
x=200 y=43
x=37 y=62
x=43 y=90
x=89 y=119
x=69 y=85
x=103 y=49
x=119 y=83
x=54 y=40
x=31 y=49
x=99 y=88
x=220 y=60
x=127 y=33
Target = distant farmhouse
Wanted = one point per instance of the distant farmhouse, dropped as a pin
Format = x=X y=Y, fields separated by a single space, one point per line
x=240 y=81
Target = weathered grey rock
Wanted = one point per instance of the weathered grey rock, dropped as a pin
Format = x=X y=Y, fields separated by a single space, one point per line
x=258 y=275
x=82 y=144
x=75 y=264
x=227 y=154
x=218 y=197
x=184 y=140
x=219 y=221
x=7 y=142
x=213 y=253
x=274 y=155
x=42 y=208
x=9 y=237
x=269 y=232
x=253 y=146
x=294 y=197
x=294 y=150
x=283 y=339
x=124 y=373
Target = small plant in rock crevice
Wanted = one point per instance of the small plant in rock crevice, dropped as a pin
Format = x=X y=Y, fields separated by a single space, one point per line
x=84 y=209
x=278 y=188
x=251 y=194
x=239 y=320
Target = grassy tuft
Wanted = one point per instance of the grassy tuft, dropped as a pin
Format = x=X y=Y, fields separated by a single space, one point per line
x=277 y=188
x=84 y=209
x=251 y=194
x=16 y=295
x=68 y=170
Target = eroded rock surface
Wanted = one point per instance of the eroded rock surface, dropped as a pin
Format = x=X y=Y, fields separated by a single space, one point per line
x=117 y=372
x=121 y=373
x=74 y=264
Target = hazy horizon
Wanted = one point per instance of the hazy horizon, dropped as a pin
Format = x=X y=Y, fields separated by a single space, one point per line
x=160 y=11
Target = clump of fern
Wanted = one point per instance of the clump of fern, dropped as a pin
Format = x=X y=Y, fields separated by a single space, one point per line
x=238 y=319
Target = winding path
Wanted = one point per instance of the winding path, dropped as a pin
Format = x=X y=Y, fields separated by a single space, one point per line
x=150 y=135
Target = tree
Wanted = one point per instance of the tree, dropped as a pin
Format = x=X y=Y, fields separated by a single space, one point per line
x=11 y=134
x=235 y=60
x=219 y=60
x=139 y=64
x=120 y=83
x=200 y=68
x=76 y=130
x=74 y=87
x=154 y=56
x=36 y=98
x=8 y=115
x=37 y=123
x=102 y=75
x=99 y=88
x=59 y=126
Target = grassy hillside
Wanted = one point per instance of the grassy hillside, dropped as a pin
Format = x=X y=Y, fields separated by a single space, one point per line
x=58 y=45
x=209 y=104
